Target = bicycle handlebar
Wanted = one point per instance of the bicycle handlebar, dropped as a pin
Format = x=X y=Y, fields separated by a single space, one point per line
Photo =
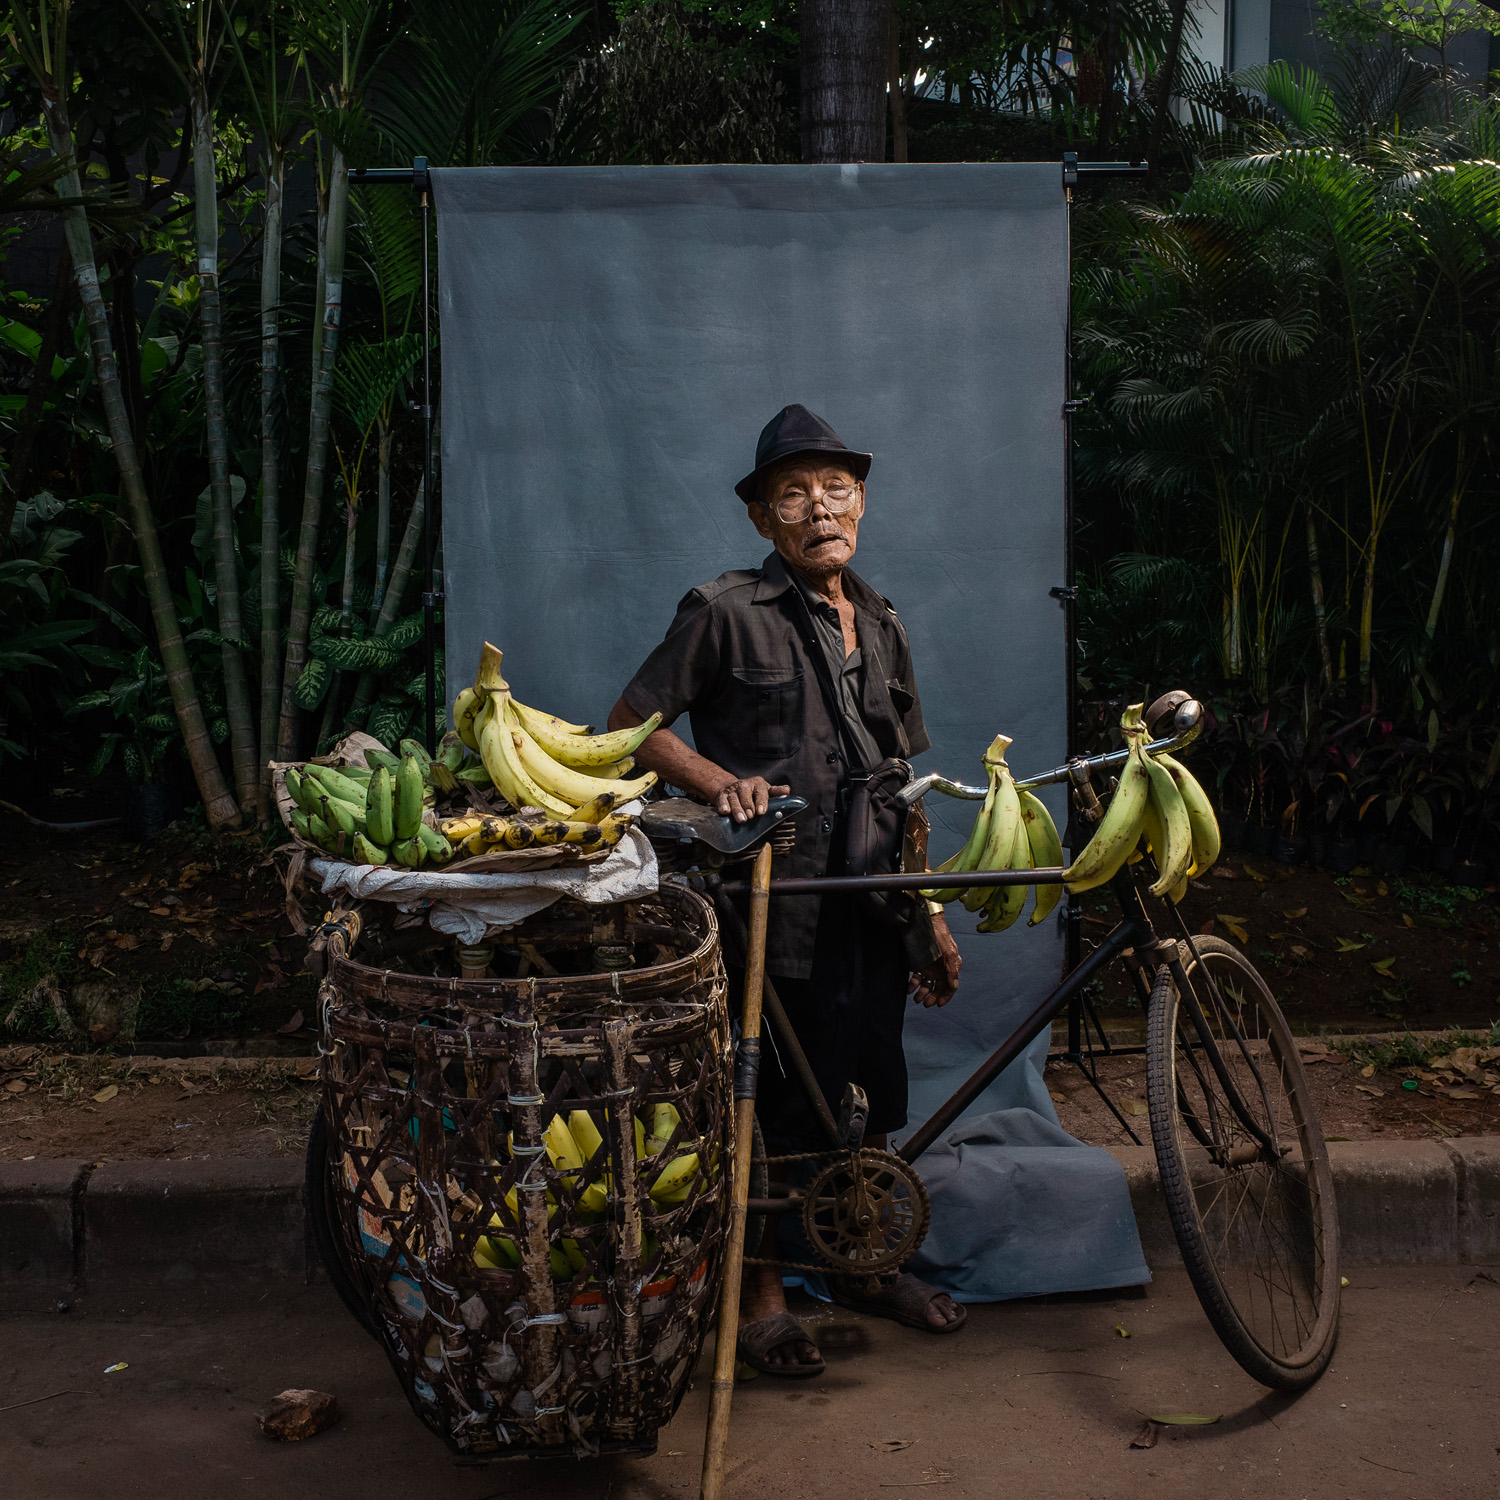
x=1187 y=725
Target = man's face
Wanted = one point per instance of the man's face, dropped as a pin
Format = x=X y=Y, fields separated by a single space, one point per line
x=823 y=543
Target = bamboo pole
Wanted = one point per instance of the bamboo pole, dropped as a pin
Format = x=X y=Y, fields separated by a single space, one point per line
x=721 y=1393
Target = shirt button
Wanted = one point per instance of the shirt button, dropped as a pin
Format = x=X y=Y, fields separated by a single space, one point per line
x=833 y=757
x=827 y=826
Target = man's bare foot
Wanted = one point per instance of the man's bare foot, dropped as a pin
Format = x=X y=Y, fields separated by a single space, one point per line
x=942 y=1311
x=762 y=1296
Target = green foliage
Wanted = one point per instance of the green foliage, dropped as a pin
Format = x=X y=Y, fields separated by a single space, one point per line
x=313 y=684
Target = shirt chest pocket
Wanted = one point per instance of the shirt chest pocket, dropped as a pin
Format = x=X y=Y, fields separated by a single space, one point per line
x=767 y=710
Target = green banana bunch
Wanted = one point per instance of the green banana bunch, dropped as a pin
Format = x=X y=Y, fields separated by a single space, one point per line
x=377 y=758
x=1046 y=853
x=1201 y=819
x=1173 y=850
x=1120 y=829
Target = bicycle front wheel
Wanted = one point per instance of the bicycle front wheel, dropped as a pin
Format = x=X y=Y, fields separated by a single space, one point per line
x=1243 y=1163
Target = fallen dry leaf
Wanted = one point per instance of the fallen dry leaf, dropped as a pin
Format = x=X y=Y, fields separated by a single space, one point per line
x=1122 y=1330
x=161 y=911
x=107 y=1093
x=1295 y=912
x=1236 y=926
x=1368 y=1071
x=1223 y=872
x=127 y=940
x=1185 y=1419
x=16 y=1086
x=1257 y=875
x=1371 y=1089
x=295 y=1024
x=1383 y=965
x=1347 y=945
x=166 y=941
x=1299 y=950
x=892 y=1445
x=1461 y=1093
x=1146 y=1437
x=1206 y=930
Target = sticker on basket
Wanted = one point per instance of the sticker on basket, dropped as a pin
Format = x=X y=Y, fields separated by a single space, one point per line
x=407 y=1296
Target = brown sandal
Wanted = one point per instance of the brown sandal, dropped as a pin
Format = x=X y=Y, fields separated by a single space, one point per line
x=756 y=1340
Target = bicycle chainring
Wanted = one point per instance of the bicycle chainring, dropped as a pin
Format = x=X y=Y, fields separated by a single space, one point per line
x=866 y=1213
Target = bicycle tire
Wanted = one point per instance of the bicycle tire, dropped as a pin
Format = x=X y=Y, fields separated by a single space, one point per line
x=327 y=1234
x=1268 y=1279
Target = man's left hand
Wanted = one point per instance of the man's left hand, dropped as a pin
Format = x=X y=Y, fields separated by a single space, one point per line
x=935 y=984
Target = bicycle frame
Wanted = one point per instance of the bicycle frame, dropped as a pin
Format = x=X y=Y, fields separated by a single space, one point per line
x=1134 y=934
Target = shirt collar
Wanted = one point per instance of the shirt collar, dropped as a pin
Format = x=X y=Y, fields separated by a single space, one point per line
x=776 y=578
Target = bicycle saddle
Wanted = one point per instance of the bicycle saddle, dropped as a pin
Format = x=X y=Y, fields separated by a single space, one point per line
x=682 y=818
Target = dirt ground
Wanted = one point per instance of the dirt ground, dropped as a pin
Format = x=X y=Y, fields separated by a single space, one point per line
x=1355 y=953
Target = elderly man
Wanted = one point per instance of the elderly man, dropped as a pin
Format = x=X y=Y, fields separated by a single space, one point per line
x=796 y=676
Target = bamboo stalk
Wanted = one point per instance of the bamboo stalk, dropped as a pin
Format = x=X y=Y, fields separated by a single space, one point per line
x=382 y=517
x=390 y=606
x=1320 y=612
x=299 y=618
x=721 y=1393
x=226 y=559
x=270 y=473
x=218 y=801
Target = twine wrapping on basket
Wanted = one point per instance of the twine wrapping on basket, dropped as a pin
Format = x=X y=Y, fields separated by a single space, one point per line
x=437 y=1095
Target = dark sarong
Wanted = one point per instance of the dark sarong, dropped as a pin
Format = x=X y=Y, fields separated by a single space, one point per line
x=848 y=1014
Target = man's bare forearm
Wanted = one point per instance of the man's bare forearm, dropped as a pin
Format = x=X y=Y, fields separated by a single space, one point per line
x=672 y=758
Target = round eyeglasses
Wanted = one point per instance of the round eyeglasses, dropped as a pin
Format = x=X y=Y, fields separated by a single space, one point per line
x=797 y=507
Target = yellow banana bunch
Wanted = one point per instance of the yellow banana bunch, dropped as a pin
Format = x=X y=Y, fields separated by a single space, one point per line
x=1013 y=831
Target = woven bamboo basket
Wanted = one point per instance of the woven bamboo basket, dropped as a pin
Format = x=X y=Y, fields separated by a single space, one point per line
x=437 y=1095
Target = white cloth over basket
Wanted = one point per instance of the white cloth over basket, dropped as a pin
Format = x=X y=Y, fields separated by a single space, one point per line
x=469 y=905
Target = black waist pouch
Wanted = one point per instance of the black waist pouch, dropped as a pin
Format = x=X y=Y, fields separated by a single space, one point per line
x=876 y=844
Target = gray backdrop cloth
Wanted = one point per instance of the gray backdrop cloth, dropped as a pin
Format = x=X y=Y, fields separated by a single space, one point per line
x=614 y=338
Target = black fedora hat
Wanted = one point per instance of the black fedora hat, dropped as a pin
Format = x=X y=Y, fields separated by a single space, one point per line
x=794 y=429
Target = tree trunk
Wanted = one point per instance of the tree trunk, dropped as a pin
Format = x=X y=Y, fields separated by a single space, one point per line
x=390 y=605
x=1168 y=81
x=270 y=476
x=326 y=340
x=845 y=63
x=1444 y=564
x=1320 y=609
x=900 y=150
x=226 y=556
x=19 y=479
x=217 y=800
x=1111 y=64
x=1367 y=611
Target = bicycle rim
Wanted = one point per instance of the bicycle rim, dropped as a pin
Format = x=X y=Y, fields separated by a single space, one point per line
x=1258 y=1227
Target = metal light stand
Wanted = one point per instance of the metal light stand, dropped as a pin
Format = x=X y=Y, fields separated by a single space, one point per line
x=419 y=178
x=1079 y=1039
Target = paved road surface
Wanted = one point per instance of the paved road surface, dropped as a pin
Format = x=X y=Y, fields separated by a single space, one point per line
x=1032 y=1400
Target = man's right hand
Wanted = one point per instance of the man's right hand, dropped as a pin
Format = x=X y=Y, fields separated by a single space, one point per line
x=747 y=798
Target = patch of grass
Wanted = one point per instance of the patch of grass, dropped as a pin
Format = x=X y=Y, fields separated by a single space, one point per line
x=1410 y=1051
x=24 y=1013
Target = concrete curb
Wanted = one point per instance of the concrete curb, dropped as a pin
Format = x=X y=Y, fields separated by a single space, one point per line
x=69 y=1226
x=1400 y=1202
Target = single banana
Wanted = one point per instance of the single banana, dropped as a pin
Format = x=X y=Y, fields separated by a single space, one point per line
x=664 y=1120
x=562 y=726
x=612 y=829
x=572 y=749
x=418 y=752
x=1000 y=844
x=1007 y=902
x=616 y=770
x=497 y=746
x=1200 y=812
x=294 y=785
x=300 y=824
x=380 y=821
x=1120 y=830
x=967 y=857
x=345 y=788
x=328 y=838
x=495 y=1252
x=555 y=776
x=408 y=797
x=439 y=850
x=451 y=751
x=456 y=829
x=368 y=853
x=475 y=775
x=351 y=772
x=1046 y=853
x=676 y=1176
x=585 y=1133
x=597 y=808
x=339 y=814
x=562 y=1149
x=440 y=779
x=1175 y=853
x=377 y=758
x=466 y=709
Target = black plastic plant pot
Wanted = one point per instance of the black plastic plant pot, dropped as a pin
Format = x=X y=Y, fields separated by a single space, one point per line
x=1317 y=849
x=146 y=811
x=1234 y=831
x=1419 y=856
x=1289 y=851
x=1443 y=856
x=1261 y=840
x=1343 y=855
x=1468 y=872
x=1391 y=859
x=1369 y=844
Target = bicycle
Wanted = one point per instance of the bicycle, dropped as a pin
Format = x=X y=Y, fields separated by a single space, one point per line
x=1243 y=1163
